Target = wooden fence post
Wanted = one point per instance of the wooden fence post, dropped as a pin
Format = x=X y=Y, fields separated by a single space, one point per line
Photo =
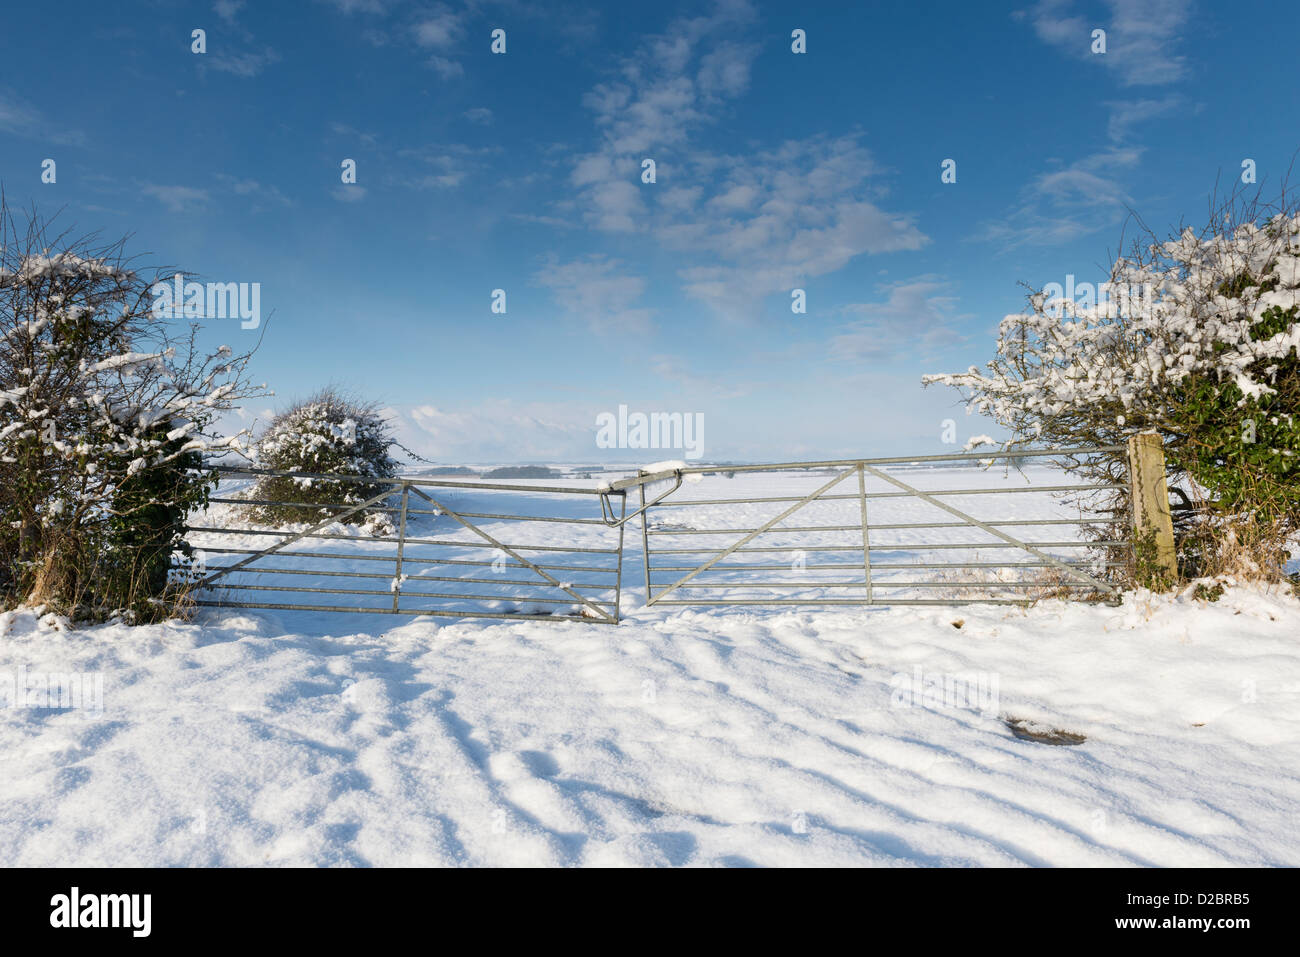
x=1152 y=521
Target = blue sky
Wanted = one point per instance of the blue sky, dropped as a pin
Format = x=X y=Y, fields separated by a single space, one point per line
x=774 y=171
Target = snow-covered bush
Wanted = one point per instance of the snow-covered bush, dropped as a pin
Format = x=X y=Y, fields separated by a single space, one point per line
x=327 y=434
x=104 y=413
x=1203 y=351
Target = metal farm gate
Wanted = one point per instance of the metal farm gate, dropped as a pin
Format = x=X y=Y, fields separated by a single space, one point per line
x=923 y=531
x=441 y=548
x=889 y=531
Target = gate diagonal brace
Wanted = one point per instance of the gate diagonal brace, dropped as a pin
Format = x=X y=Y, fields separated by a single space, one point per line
x=596 y=609
x=1073 y=572
x=296 y=536
x=752 y=535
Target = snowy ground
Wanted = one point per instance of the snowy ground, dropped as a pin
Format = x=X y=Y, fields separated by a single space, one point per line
x=768 y=736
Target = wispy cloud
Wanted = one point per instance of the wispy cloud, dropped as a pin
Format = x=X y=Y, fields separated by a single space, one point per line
x=1125 y=115
x=245 y=65
x=445 y=166
x=342 y=129
x=350 y=7
x=18 y=118
x=446 y=67
x=774 y=219
x=595 y=291
x=442 y=31
x=752 y=224
x=178 y=199
x=1074 y=199
x=227 y=10
x=676 y=370
x=253 y=189
x=1142 y=37
x=484 y=432
x=918 y=315
x=1067 y=201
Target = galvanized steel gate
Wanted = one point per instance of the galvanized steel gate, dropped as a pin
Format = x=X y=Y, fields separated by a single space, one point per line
x=860 y=554
x=719 y=572
x=501 y=582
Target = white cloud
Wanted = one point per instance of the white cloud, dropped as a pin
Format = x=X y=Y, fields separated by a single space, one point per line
x=227 y=9
x=652 y=108
x=919 y=314
x=752 y=224
x=725 y=71
x=178 y=199
x=441 y=30
x=447 y=68
x=1087 y=194
x=686 y=383
x=1141 y=37
x=498 y=431
x=594 y=291
x=16 y=117
x=245 y=65
x=1068 y=201
x=1127 y=114
x=479 y=114
x=20 y=119
x=349 y=7
x=252 y=188
x=342 y=129
x=451 y=164
x=777 y=218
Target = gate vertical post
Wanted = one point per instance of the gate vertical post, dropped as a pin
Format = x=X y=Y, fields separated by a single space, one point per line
x=1153 y=525
x=618 y=579
x=866 y=535
x=401 y=543
x=645 y=544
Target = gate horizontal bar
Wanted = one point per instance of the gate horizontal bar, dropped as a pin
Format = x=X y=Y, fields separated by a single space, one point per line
x=320 y=505
x=974 y=457
x=277 y=606
x=890 y=525
x=350 y=556
x=314 y=572
x=857 y=602
x=415 y=481
x=412 y=594
x=880 y=583
x=392 y=540
x=260 y=502
x=897 y=547
x=854 y=496
x=840 y=566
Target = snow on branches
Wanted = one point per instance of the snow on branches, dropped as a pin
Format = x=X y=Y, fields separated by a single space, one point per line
x=102 y=406
x=1207 y=296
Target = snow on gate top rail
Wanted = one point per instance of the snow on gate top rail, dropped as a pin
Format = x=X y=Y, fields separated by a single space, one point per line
x=400 y=480
x=978 y=458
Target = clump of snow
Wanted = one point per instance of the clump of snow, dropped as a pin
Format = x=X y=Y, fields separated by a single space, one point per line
x=672 y=465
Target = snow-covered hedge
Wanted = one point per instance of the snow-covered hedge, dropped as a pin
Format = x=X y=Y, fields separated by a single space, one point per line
x=104 y=414
x=327 y=434
x=1202 y=350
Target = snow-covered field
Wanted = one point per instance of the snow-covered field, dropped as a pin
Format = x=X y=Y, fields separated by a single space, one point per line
x=709 y=736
